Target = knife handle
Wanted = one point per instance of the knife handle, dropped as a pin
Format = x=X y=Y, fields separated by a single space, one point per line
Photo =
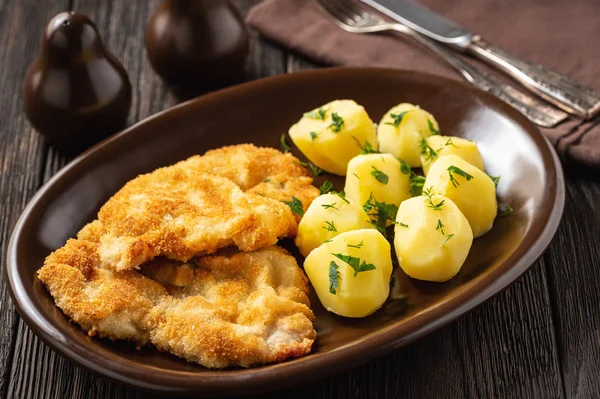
x=552 y=86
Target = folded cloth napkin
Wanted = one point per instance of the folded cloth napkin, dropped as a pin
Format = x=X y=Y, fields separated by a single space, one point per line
x=555 y=33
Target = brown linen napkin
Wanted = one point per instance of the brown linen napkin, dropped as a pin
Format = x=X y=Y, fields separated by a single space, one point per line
x=555 y=33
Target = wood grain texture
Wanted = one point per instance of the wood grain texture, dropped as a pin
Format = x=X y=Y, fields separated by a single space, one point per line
x=21 y=149
x=539 y=338
x=573 y=263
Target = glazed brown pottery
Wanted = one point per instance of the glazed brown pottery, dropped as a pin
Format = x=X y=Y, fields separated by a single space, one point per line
x=76 y=92
x=196 y=45
x=259 y=112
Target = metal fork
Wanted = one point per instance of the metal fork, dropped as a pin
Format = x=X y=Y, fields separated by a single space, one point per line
x=351 y=17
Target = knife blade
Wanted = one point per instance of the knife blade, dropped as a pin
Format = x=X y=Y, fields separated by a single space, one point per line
x=552 y=86
x=424 y=21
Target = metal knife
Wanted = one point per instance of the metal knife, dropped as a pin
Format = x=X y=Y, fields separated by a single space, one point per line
x=552 y=86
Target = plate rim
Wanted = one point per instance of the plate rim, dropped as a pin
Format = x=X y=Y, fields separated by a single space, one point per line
x=379 y=342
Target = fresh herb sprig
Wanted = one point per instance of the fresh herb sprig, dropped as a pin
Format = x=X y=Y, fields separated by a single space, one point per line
x=355 y=263
x=319 y=114
x=359 y=245
x=284 y=145
x=295 y=205
x=337 y=122
x=365 y=148
x=454 y=169
x=326 y=187
x=380 y=176
x=330 y=226
x=429 y=194
x=432 y=128
x=428 y=153
x=380 y=213
x=315 y=169
x=334 y=277
x=397 y=118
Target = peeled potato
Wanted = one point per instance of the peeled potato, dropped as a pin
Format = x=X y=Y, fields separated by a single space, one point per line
x=341 y=289
x=403 y=141
x=328 y=216
x=445 y=145
x=475 y=196
x=377 y=175
x=432 y=238
x=332 y=135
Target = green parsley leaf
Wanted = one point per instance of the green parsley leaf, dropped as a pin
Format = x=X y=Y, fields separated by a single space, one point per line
x=380 y=213
x=440 y=227
x=284 y=145
x=295 y=205
x=416 y=184
x=299 y=162
x=329 y=226
x=355 y=175
x=425 y=149
x=401 y=224
x=458 y=171
x=366 y=148
x=342 y=195
x=436 y=207
x=404 y=167
x=326 y=241
x=355 y=263
x=315 y=169
x=326 y=187
x=379 y=175
x=313 y=136
x=337 y=122
x=495 y=179
x=356 y=246
x=334 y=277
x=450 y=143
x=397 y=119
x=330 y=206
x=448 y=237
x=506 y=212
x=319 y=114
x=266 y=180
x=432 y=128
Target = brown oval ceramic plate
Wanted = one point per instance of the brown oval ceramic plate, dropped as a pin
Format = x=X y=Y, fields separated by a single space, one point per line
x=259 y=112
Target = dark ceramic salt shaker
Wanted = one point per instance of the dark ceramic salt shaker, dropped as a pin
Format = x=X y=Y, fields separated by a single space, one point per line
x=76 y=92
x=195 y=45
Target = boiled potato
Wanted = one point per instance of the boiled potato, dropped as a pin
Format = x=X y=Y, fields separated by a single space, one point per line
x=328 y=216
x=432 y=238
x=379 y=176
x=445 y=145
x=333 y=134
x=402 y=129
x=351 y=273
x=472 y=190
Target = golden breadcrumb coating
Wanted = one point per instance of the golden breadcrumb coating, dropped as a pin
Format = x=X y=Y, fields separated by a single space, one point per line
x=199 y=206
x=246 y=164
x=220 y=311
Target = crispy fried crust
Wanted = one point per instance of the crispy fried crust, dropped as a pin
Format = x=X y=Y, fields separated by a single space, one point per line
x=246 y=164
x=175 y=212
x=219 y=311
x=199 y=206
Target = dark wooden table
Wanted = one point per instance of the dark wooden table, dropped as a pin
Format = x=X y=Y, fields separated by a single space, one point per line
x=539 y=338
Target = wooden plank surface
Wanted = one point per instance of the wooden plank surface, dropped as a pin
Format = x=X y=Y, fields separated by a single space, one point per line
x=539 y=338
x=573 y=262
x=22 y=151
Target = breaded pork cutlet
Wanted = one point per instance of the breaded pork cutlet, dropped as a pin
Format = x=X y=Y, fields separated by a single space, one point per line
x=199 y=206
x=220 y=311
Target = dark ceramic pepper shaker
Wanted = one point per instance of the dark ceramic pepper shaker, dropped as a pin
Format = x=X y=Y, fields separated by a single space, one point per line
x=76 y=92
x=195 y=45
